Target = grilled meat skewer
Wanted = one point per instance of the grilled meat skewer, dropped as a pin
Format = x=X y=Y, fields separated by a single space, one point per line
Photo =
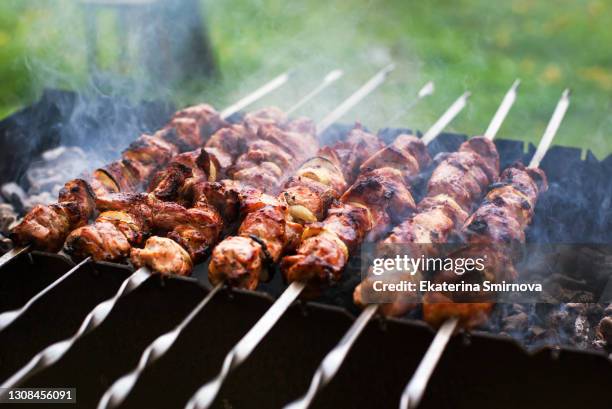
x=44 y=232
x=379 y=197
x=498 y=223
x=529 y=183
x=435 y=217
x=188 y=129
x=275 y=228
x=250 y=170
x=44 y=226
x=456 y=184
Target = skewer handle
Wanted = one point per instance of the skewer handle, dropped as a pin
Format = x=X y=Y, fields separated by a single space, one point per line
x=329 y=79
x=412 y=395
x=334 y=359
x=354 y=99
x=11 y=254
x=255 y=95
x=121 y=388
x=205 y=396
x=446 y=118
x=54 y=352
x=502 y=111
x=551 y=129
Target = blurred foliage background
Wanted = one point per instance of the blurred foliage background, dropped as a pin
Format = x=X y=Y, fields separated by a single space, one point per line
x=478 y=45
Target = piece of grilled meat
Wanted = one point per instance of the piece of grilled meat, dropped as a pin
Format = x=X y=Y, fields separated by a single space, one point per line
x=273 y=154
x=46 y=227
x=164 y=256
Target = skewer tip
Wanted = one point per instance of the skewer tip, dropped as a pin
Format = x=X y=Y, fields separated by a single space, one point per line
x=426 y=90
x=516 y=84
x=566 y=93
x=334 y=75
x=390 y=67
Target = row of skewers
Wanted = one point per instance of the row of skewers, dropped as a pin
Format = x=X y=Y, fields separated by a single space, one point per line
x=269 y=139
x=310 y=223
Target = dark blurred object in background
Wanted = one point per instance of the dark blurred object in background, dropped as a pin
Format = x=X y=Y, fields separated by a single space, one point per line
x=168 y=39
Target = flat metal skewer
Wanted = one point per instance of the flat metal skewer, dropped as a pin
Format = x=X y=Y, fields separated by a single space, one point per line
x=255 y=95
x=122 y=387
x=414 y=391
x=416 y=387
x=12 y=253
x=551 y=129
x=206 y=395
x=351 y=101
x=425 y=91
x=502 y=111
x=334 y=359
x=330 y=78
x=54 y=352
x=226 y=113
x=7 y=317
x=446 y=118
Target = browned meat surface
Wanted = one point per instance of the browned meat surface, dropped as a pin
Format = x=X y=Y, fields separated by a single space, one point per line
x=383 y=192
x=270 y=230
x=124 y=175
x=228 y=143
x=379 y=198
x=273 y=154
x=46 y=227
x=136 y=215
x=103 y=241
x=457 y=183
x=150 y=150
x=102 y=183
x=265 y=116
x=196 y=229
x=167 y=183
x=79 y=192
x=492 y=232
x=132 y=225
x=162 y=255
x=358 y=146
x=437 y=309
x=325 y=246
x=238 y=263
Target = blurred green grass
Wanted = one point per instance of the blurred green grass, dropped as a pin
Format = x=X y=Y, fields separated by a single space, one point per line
x=466 y=44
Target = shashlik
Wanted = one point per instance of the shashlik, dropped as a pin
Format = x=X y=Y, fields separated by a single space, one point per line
x=274 y=228
x=45 y=226
x=457 y=183
x=379 y=197
x=188 y=128
x=498 y=223
x=196 y=229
